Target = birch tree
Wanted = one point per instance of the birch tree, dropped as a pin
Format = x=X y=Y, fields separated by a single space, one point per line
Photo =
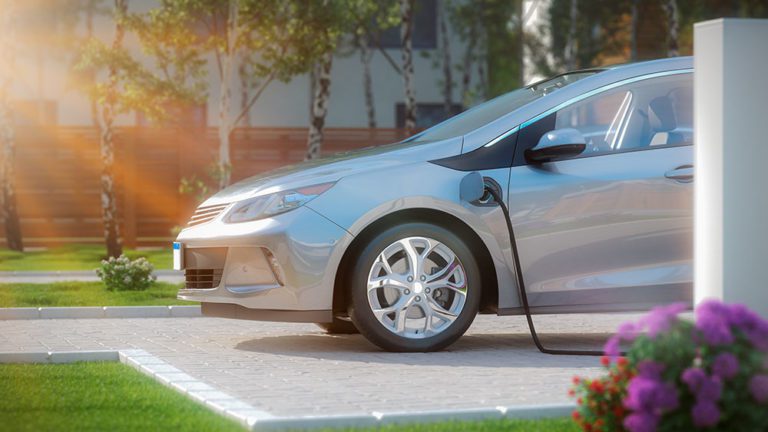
x=280 y=44
x=634 y=16
x=8 y=209
x=571 y=41
x=121 y=84
x=406 y=38
x=446 y=61
x=670 y=8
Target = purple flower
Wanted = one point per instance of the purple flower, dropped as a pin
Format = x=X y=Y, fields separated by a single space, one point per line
x=702 y=386
x=758 y=388
x=612 y=348
x=650 y=369
x=661 y=318
x=705 y=414
x=650 y=395
x=712 y=320
x=641 y=422
x=725 y=365
x=693 y=378
x=710 y=389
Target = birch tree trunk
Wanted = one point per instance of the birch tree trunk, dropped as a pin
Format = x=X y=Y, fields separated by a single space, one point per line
x=570 y=44
x=633 y=31
x=469 y=55
x=322 y=93
x=365 y=58
x=242 y=73
x=226 y=125
x=106 y=147
x=8 y=210
x=447 y=66
x=670 y=6
x=90 y=75
x=406 y=36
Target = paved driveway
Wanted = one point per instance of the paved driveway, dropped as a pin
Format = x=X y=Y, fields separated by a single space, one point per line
x=294 y=369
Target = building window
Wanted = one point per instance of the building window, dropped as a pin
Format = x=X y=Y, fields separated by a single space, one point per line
x=43 y=112
x=424 y=28
x=427 y=114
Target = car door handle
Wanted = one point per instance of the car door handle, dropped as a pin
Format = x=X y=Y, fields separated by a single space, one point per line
x=682 y=174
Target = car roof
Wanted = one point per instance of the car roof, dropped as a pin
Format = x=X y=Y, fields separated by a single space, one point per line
x=603 y=76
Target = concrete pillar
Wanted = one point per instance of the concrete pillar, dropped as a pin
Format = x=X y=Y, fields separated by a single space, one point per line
x=731 y=198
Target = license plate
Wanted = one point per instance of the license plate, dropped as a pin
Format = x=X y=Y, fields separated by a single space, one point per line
x=178 y=256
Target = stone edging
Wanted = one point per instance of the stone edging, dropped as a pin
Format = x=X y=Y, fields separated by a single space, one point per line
x=31 y=313
x=256 y=419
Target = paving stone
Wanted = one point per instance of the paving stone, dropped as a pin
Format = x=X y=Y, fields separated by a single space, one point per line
x=289 y=369
x=19 y=313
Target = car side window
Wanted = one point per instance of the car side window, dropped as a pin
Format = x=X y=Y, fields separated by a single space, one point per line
x=645 y=114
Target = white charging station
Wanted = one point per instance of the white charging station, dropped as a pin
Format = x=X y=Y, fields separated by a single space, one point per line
x=731 y=164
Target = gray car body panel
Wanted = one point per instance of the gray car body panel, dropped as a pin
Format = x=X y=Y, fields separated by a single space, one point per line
x=566 y=256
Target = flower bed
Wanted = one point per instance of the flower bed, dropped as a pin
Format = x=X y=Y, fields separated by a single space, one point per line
x=711 y=374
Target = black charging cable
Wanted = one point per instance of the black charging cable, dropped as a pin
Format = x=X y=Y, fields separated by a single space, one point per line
x=524 y=294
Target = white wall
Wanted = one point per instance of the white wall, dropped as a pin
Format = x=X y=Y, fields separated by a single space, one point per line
x=731 y=121
x=282 y=104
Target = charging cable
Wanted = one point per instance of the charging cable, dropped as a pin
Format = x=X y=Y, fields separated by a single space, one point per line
x=524 y=294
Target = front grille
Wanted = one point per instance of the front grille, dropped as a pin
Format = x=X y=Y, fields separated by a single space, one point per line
x=206 y=214
x=203 y=278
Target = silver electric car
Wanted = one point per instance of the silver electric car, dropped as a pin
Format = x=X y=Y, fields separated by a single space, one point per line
x=595 y=167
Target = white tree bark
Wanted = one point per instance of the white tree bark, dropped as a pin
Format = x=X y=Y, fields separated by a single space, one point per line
x=8 y=210
x=447 y=66
x=226 y=123
x=365 y=58
x=670 y=7
x=469 y=56
x=107 y=152
x=406 y=36
x=322 y=94
x=633 y=31
x=570 y=44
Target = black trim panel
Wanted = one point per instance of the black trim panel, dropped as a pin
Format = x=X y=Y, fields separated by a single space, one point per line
x=499 y=155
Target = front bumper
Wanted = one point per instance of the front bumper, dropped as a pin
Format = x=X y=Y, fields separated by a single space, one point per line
x=281 y=264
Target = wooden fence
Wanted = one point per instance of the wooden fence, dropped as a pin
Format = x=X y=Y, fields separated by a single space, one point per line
x=57 y=175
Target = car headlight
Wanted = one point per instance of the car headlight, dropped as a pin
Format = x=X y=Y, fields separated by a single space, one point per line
x=274 y=204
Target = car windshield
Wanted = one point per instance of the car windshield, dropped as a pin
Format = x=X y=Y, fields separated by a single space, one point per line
x=497 y=107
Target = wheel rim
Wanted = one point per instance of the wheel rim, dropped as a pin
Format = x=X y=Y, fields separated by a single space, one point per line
x=417 y=287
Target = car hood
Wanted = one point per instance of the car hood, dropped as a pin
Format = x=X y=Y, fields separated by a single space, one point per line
x=334 y=168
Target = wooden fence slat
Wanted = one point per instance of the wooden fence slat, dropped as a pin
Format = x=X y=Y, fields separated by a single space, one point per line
x=57 y=175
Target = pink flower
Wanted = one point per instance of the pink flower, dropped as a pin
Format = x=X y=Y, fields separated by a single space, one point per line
x=641 y=422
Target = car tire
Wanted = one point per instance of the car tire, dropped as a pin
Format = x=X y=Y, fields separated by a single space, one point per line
x=338 y=326
x=410 y=276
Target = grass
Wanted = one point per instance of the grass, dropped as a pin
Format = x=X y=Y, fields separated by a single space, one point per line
x=85 y=294
x=96 y=397
x=75 y=257
x=114 y=397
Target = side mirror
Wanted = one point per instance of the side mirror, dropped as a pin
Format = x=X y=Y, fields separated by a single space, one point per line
x=557 y=144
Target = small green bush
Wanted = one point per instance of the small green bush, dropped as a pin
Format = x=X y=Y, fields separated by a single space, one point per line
x=122 y=274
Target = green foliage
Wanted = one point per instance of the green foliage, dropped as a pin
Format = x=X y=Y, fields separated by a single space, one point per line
x=74 y=293
x=122 y=274
x=97 y=397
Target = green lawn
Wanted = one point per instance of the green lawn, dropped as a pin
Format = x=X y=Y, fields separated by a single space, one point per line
x=86 y=294
x=96 y=397
x=112 y=396
x=75 y=257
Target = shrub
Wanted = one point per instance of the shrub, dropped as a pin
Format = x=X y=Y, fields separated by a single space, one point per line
x=711 y=374
x=122 y=274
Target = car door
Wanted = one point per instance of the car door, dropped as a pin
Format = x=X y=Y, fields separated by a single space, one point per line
x=612 y=228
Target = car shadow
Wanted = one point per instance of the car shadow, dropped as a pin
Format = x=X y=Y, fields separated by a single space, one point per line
x=483 y=350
